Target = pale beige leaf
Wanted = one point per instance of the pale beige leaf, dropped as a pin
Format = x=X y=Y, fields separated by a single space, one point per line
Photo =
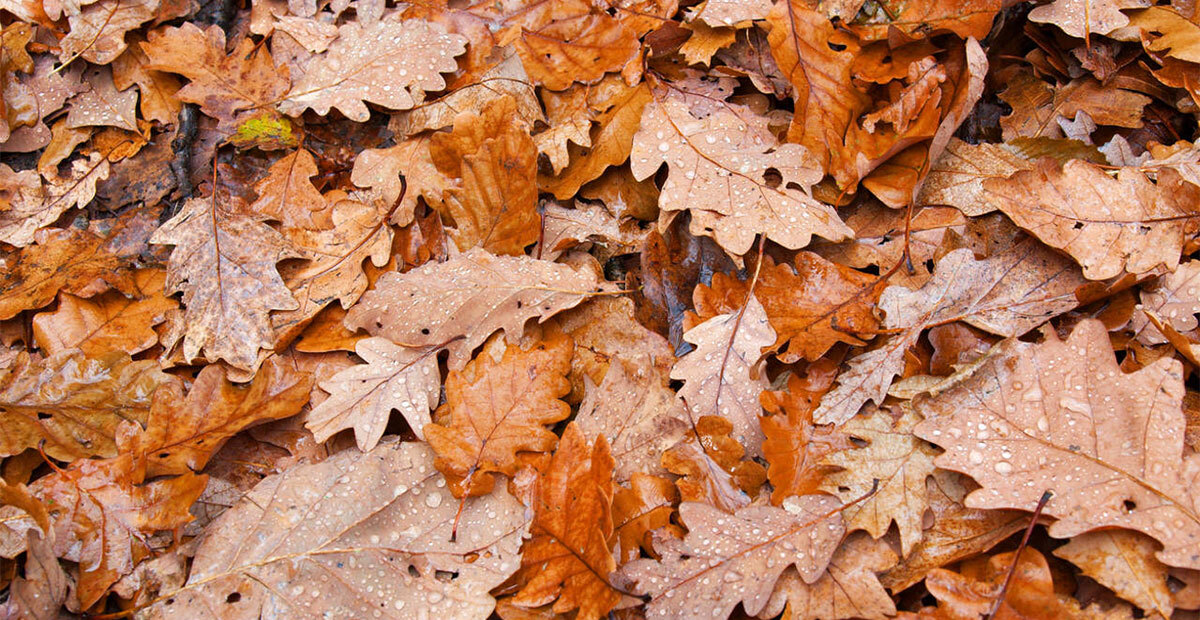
x=848 y=589
x=363 y=396
x=728 y=559
x=1123 y=562
x=1082 y=18
x=381 y=169
x=898 y=462
x=732 y=12
x=390 y=63
x=27 y=204
x=722 y=376
x=1174 y=298
x=506 y=77
x=717 y=170
x=103 y=105
x=98 y=31
x=1063 y=416
x=459 y=303
x=378 y=523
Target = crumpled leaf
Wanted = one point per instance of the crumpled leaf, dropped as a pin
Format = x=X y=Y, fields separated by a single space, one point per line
x=74 y=403
x=1061 y=415
x=182 y=433
x=567 y=559
x=494 y=203
x=353 y=517
x=722 y=375
x=729 y=559
x=40 y=594
x=224 y=264
x=363 y=396
x=380 y=170
x=27 y=204
x=973 y=592
x=390 y=63
x=712 y=467
x=717 y=170
x=894 y=460
x=811 y=308
x=459 y=303
x=498 y=406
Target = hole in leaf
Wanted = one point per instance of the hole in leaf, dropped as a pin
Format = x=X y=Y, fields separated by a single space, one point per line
x=1129 y=505
x=233 y=597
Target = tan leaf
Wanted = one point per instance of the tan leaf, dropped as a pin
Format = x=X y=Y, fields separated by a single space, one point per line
x=106 y=322
x=221 y=84
x=712 y=466
x=157 y=90
x=1174 y=298
x=459 y=303
x=1110 y=225
x=363 y=396
x=389 y=63
x=1081 y=18
x=498 y=406
x=102 y=105
x=606 y=329
x=98 y=30
x=72 y=402
x=182 y=433
x=1177 y=36
x=638 y=414
x=1031 y=592
x=504 y=78
x=811 y=308
x=380 y=169
x=848 y=589
x=27 y=204
x=1123 y=562
x=567 y=559
x=1037 y=105
x=705 y=41
x=956 y=179
x=105 y=513
x=40 y=594
x=576 y=48
x=721 y=376
x=880 y=239
x=224 y=264
x=732 y=12
x=359 y=234
x=718 y=166
x=737 y=558
x=968 y=18
x=563 y=228
x=286 y=194
x=1045 y=423
x=353 y=517
x=958 y=532
x=895 y=460
x=795 y=447
x=494 y=204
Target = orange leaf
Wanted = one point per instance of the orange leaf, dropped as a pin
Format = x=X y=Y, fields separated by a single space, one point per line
x=794 y=445
x=713 y=468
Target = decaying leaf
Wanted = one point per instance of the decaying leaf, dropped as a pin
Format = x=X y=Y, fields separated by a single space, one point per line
x=712 y=466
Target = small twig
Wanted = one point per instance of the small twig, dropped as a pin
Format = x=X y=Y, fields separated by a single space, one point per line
x=1037 y=512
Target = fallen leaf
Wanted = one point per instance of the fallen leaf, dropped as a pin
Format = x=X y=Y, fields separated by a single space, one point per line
x=712 y=466
x=740 y=565
x=351 y=517
x=287 y=195
x=1081 y=18
x=1030 y=594
x=848 y=589
x=567 y=559
x=795 y=447
x=68 y=260
x=647 y=505
x=27 y=204
x=363 y=396
x=107 y=322
x=496 y=407
x=1123 y=562
x=1173 y=299
x=98 y=30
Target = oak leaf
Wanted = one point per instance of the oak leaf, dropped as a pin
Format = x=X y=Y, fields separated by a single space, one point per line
x=794 y=446
x=41 y=593
x=1176 y=35
x=567 y=559
x=636 y=412
x=104 y=512
x=107 y=322
x=848 y=589
x=287 y=196
x=389 y=63
x=1061 y=415
x=182 y=433
x=729 y=559
x=499 y=406
x=98 y=30
x=1174 y=298
x=27 y=204
x=224 y=264
x=1123 y=562
x=973 y=591
x=812 y=305
x=102 y=105
x=494 y=203
x=380 y=170
x=712 y=467
x=718 y=167
x=722 y=376
x=576 y=48
x=958 y=532
x=158 y=97
x=474 y=93
x=363 y=396
x=1110 y=225
x=68 y=260
x=467 y=298
x=74 y=403
x=223 y=85
x=647 y=505
x=1081 y=18
x=1037 y=106
x=895 y=461
x=353 y=517
x=972 y=18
